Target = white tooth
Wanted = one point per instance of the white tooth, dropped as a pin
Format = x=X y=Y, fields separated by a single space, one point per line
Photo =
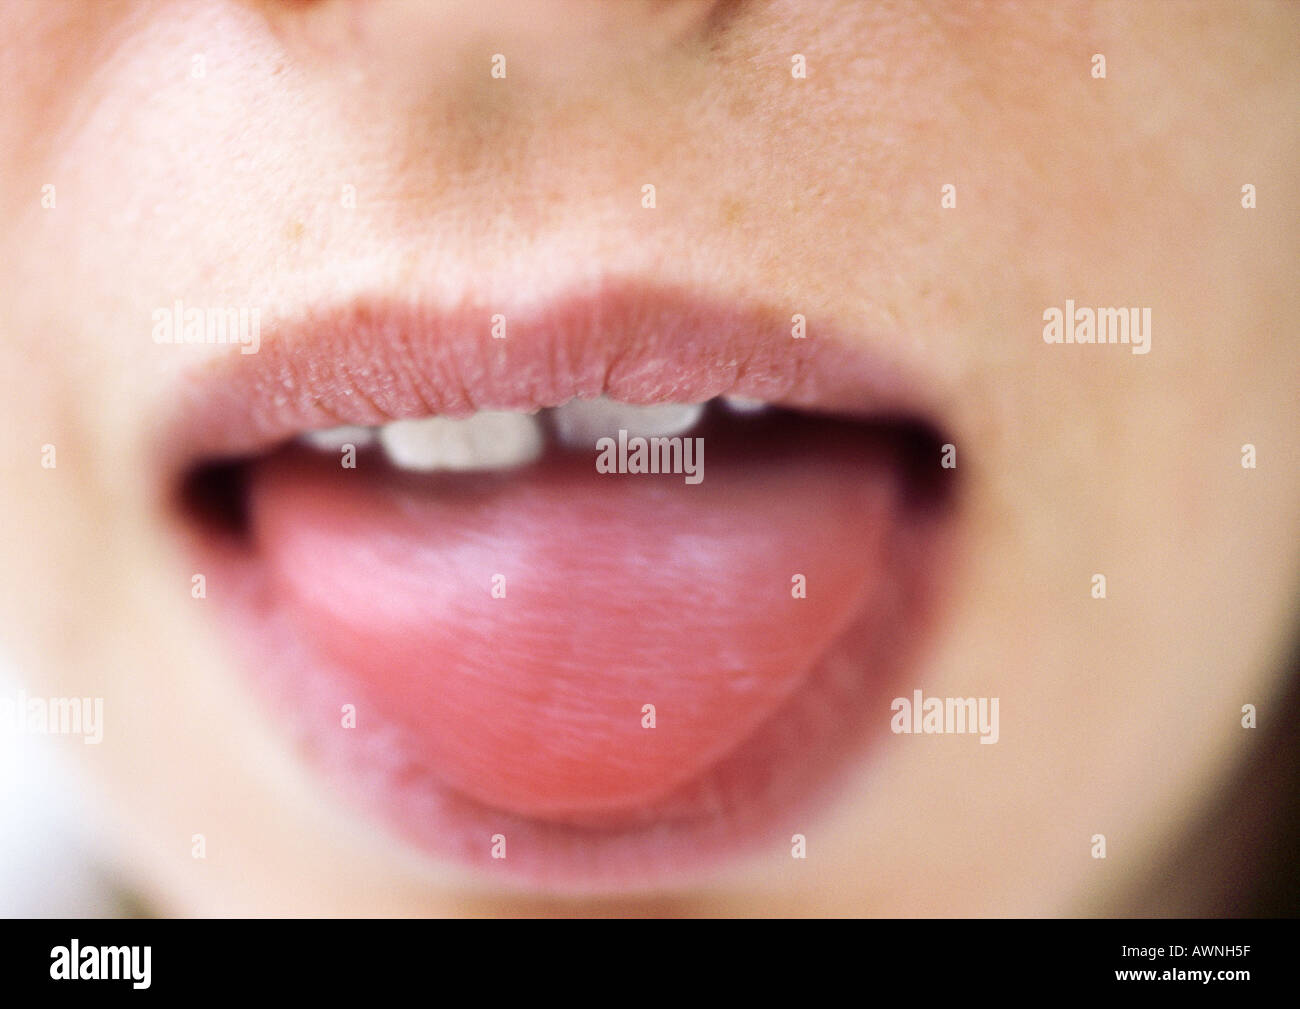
x=334 y=438
x=743 y=404
x=580 y=423
x=486 y=440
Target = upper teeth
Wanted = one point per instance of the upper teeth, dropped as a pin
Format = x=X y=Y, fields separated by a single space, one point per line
x=580 y=423
x=496 y=440
x=486 y=440
x=742 y=404
x=337 y=437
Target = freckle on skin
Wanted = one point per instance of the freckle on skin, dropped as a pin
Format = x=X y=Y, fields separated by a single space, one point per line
x=294 y=230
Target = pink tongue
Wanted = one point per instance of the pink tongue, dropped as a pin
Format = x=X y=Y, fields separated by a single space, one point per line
x=617 y=592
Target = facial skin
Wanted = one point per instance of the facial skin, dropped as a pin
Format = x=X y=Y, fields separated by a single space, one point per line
x=1119 y=716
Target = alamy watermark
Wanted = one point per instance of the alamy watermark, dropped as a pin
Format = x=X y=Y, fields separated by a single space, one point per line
x=938 y=715
x=53 y=716
x=1130 y=326
x=217 y=324
x=651 y=455
x=75 y=962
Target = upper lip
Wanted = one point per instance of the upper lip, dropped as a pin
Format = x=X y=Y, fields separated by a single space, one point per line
x=377 y=359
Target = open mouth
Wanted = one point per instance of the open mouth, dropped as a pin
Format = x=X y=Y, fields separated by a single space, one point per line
x=591 y=605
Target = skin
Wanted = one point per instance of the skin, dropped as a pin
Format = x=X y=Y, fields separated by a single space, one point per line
x=1119 y=716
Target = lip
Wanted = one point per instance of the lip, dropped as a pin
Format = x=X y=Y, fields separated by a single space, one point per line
x=522 y=718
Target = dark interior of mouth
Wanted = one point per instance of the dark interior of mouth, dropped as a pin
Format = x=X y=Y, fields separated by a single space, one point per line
x=214 y=494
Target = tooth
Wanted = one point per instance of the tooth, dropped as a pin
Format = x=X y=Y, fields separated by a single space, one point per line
x=486 y=440
x=580 y=423
x=743 y=404
x=335 y=438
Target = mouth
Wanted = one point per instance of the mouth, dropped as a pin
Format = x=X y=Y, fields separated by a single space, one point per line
x=591 y=596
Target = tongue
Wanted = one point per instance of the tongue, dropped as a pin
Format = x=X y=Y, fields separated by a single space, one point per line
x=518 y=626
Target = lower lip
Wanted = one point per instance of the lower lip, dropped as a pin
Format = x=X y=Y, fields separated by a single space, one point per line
x=611 y=680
